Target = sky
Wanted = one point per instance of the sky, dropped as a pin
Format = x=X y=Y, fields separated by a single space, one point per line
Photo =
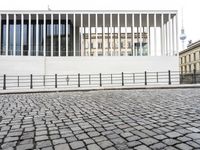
x=190 y=8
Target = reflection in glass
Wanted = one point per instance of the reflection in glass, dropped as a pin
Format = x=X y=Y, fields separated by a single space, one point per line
x=3 y=37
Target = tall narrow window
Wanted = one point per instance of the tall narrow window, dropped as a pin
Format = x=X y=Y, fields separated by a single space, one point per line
x=10 y=37
x=41 y=34
x=48 y=37
x=18 y=37
x=3 y=37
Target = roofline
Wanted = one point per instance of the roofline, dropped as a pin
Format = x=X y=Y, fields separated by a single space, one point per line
x=89 y=11
x=190 y=47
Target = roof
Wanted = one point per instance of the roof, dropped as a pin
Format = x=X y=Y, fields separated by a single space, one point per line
x=191 y=47
x=89 y=11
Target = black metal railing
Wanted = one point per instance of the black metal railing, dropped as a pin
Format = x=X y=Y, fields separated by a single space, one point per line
x=97 y=80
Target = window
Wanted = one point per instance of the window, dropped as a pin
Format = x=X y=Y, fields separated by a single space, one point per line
x=185 y=59
x=194 y=66
x=189 y=58
x=122 y=45
x=194 y=56
x=91 y=45
x=181 y=60
x=189 y=68
x=129 y=44
x=99 y=45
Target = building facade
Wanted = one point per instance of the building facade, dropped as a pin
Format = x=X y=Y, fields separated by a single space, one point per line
x=39 y=38
x=190 y=58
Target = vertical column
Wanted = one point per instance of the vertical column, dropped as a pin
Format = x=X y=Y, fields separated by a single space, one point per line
x=162 y=35
x=44 y=34
x=96 y=24
x=118 y=22
x=82 y=53
x=103 y=34
x=125 y=19
x=74 y=33
x=177 y=46
x=29 y=35
x=66 y=34
x=52 y=35
x=1 y=50
x=14 y=36
x=111 y=35
x=166 y=37
x=89 y=38
x=37 y=33
x=59 y=43
x=133 y=34
x=148 y=37
x=7 y=26
x=141 y=49
x=173 y=47
x=22 y=34
x=169 y=23
x=155 y=42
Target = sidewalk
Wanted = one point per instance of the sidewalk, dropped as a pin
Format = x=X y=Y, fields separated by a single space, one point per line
x=76 y=89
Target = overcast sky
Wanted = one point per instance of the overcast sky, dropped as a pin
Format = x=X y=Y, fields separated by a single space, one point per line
x=191 y=9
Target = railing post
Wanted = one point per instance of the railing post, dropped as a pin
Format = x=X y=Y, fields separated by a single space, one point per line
x=89 y=79
x=4 y=82
x=194 y=76
x=145 y=78
x=122 y=79
x=111 y=78
x=31 y=81
x=169 y=76
x=43 y=80
x=79 y=80
x=100 y=82
x=56 y=83
x=18 y=81
x=157 y=77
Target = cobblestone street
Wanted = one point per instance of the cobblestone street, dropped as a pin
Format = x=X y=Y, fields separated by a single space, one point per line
x=109 y=120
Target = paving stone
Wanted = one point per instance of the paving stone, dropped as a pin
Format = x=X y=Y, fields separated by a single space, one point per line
x=158 y=146
x=133 y=143
x=43 y=144
x=142 y=147
x=82 y=136
x=193 y=129
x=160 y=137
x=41 y=138
x=93 y=134
x=93 y=147
x=59 y=141
x=193 y=144
x=170 y=142
x=105 y=144
x=183 y=146
x=149 y=141
x=173 y=134
x=25 y=146
x=11 y=139
x=62 y=147
x=77 y=144
x=194 y=135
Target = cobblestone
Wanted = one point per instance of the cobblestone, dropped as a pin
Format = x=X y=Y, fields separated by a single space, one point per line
x=110 y=120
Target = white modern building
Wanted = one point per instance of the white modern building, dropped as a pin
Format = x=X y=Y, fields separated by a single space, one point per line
x=77 y=41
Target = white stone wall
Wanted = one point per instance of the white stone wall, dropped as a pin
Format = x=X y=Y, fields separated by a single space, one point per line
x=14 y=65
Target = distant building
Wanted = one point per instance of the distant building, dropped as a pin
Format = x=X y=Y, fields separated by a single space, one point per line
x=190 y=58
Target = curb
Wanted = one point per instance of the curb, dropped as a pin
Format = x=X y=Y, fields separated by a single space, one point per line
x=99 y=89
